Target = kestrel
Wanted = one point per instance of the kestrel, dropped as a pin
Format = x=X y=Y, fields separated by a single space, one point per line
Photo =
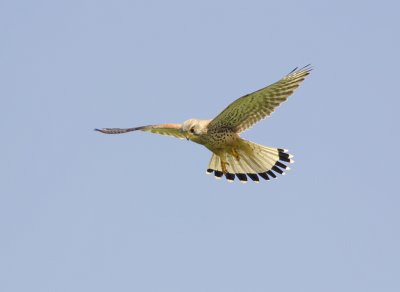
x=233 y=156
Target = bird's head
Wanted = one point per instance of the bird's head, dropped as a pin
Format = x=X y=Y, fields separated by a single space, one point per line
x=193 y=129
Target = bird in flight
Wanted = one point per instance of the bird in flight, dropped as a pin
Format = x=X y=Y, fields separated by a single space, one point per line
x=233 y=156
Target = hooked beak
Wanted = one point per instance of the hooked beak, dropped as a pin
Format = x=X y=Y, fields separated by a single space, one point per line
x=185 y=134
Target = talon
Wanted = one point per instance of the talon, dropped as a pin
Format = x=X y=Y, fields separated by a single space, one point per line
x=223 y=166
x=235 y=154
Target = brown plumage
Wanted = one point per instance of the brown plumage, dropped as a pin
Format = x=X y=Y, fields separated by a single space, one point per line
x=232 y=155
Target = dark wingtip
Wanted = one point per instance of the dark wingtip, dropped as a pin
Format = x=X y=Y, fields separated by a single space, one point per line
x=307 y=69
x=101 y=131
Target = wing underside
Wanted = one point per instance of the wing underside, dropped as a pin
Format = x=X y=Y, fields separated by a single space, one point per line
x=251 y=108
x=162 y=129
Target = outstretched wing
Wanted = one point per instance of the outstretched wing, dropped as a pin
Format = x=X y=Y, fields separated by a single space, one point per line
x=164 y=129
x=251 y=108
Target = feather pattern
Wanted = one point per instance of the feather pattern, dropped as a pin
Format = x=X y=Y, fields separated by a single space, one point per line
x=259 y=161
x=163 y=129
x=251 y=108
x=234 y=157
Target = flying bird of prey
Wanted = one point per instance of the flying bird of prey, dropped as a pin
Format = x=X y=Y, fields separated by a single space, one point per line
x=233 y=156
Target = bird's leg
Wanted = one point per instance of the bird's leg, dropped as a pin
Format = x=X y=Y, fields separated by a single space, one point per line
x=235 y=154
x=223 y=166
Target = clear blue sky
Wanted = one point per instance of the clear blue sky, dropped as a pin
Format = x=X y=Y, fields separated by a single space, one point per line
x=82 y=211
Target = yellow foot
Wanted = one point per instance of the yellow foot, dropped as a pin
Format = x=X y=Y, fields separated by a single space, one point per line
x=223 y=166
x=235 y=154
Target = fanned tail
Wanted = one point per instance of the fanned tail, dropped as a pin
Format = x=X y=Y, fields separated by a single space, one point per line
x=252 y=161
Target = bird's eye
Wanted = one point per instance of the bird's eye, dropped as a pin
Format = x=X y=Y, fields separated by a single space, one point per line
x=192 y=130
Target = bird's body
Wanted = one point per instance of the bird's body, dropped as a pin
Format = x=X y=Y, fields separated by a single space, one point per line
x=212 y=138
x=232 y=155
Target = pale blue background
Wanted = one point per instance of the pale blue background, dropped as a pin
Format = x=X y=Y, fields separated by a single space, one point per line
x=82 y=211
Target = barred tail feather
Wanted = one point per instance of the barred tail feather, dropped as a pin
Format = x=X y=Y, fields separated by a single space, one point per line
x=254 y=161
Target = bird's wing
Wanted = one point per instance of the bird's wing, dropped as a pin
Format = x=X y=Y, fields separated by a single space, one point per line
x=251 y=108
x=163 y=129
